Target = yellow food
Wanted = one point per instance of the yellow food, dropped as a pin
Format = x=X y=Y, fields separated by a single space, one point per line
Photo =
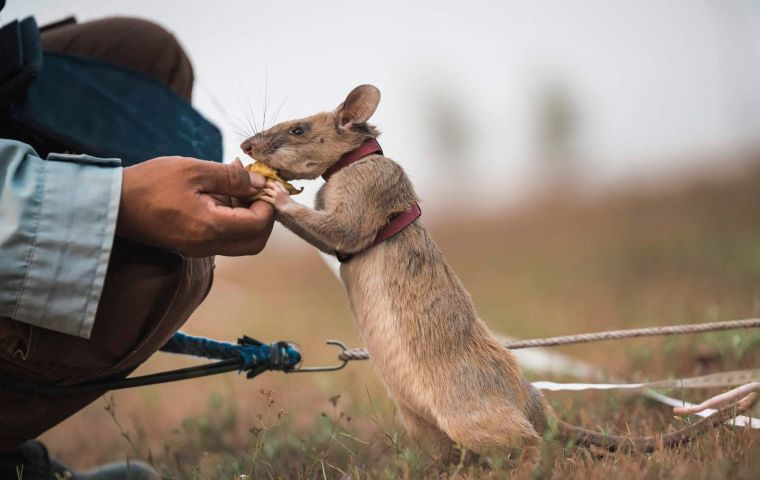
x=271 y=173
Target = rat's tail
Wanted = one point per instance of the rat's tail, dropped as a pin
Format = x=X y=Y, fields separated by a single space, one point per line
x=614 y=443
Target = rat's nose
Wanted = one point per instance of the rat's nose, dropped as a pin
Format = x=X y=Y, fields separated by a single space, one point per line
x=247 y=146
x=253 y=145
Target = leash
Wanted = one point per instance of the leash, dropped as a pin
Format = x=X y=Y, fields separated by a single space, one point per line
x=351 y=354
x=397 y=222
x=248 y=355
x=255 y=357
x=723 y=379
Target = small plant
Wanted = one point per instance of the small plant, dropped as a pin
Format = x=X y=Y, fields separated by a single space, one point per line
x=110 y=407
x=267 y=421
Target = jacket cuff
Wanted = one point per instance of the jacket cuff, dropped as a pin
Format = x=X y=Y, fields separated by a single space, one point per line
x=72 y=245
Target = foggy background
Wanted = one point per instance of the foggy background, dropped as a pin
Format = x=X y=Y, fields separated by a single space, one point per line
x=494 y=101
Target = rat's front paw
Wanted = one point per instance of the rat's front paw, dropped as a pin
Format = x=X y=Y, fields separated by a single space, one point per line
x=277 y=195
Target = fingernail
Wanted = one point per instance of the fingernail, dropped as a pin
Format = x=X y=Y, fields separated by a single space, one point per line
x=257 y=180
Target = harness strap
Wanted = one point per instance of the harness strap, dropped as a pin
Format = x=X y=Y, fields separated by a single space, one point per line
x=396 y=225
x=398 y=222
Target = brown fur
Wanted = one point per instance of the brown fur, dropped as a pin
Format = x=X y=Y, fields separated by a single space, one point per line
x=451 y=379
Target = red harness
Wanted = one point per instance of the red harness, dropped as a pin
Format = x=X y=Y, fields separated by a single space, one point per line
x=396 y=223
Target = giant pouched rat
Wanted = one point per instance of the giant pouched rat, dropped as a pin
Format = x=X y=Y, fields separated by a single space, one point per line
x=449 y=376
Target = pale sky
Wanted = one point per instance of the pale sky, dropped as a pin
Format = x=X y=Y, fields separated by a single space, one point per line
x=654 y=84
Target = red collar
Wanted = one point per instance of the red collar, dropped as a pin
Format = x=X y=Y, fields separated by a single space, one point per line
x=397 y=223
x=369 y=147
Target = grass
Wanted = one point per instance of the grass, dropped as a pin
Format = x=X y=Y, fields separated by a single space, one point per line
x=678 y=254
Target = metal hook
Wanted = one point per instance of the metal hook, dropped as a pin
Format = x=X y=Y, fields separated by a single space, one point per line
x=329 y=368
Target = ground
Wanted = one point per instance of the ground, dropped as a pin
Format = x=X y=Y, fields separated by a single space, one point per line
x=571 y=263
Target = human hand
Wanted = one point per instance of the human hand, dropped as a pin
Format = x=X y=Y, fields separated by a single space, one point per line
x=189 y=205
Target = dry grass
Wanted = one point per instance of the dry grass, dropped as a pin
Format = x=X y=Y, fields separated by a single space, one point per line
x=681 y=254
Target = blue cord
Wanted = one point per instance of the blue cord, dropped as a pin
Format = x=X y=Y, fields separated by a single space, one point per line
x=248 y=355
x=255 y=354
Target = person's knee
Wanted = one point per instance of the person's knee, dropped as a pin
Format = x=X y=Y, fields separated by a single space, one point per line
x=131 y=42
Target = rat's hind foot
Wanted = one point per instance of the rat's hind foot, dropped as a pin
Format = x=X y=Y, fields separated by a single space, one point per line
x=505 y=431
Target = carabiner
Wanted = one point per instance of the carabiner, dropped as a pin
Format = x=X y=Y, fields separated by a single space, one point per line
x=328 y=368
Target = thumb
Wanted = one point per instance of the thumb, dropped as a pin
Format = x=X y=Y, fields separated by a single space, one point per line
x=229 y=179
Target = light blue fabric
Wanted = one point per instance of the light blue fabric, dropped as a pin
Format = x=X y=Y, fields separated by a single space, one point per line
x=57 y=223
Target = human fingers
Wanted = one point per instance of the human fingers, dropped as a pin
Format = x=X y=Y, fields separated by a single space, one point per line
x=239 y=248
x=242 y=223
x=243 y=238
x=228 y=179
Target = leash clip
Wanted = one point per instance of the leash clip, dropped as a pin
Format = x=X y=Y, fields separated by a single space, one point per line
x=326 y=368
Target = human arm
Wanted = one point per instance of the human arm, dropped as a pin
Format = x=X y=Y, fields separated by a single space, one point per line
x=58 y=218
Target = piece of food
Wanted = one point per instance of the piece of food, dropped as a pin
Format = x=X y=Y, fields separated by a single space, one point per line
x=271 y=173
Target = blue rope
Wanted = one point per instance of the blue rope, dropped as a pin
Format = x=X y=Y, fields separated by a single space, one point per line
x=248 y=355
x=255 y=354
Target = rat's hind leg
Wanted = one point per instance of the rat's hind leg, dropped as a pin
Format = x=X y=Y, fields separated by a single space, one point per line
x=425 y=432
x=496 y=429
x=420 y=428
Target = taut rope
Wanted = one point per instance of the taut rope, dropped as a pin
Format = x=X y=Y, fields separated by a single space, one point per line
x=350 y=354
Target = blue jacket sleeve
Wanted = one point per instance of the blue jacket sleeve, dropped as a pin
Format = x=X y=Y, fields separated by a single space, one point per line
x=57 y=223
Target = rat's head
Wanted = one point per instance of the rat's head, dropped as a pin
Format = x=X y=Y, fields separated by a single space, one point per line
x=305 y=148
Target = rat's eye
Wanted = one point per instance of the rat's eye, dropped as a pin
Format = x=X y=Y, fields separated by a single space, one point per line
x=298 y=131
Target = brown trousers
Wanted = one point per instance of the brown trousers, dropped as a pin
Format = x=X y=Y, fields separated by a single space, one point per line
x=148 y=293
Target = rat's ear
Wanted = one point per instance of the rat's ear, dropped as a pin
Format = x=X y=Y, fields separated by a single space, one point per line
x=359 y=105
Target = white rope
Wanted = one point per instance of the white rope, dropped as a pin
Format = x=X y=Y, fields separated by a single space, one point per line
x=739 y=420
x=723 y=379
